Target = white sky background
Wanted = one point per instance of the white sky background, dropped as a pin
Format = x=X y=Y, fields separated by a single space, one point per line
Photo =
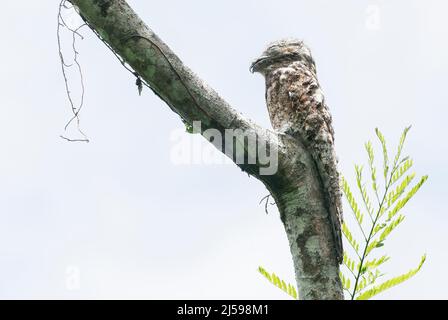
x=116 y=218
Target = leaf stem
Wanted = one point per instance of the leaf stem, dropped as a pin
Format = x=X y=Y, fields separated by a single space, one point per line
x=372 y=233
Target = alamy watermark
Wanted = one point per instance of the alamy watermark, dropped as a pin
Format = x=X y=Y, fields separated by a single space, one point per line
x=72 y=278
x=245 y=147
x=373 y=17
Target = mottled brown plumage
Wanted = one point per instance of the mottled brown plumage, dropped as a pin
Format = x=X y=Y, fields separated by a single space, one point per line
x=297 y=107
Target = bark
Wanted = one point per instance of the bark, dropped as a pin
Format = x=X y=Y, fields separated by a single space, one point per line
x=295 y=186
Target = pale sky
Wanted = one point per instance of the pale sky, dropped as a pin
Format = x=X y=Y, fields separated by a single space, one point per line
x=120 y=218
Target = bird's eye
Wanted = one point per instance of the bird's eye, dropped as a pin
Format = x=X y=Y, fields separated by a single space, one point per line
x=295 y=55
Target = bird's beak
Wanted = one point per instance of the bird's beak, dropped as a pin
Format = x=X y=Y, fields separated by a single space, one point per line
x=256 y=63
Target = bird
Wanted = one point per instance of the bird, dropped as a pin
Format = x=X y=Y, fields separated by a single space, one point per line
x=297 y=107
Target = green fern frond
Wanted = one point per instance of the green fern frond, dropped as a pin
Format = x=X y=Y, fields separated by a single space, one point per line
x=349 y=263
x=368 y=280
x=370 y=152
x=391 y=227
x=363 y=190
x=391 y=283
x=366 y=272
x=379 y=227
x=371 y=156
x=408 y=196
x=362 y=284
x=385 y=156
x=349 y=236
x=279 y=283
x=352 y=202
x=375 y=263
x=395 y=194
x=401 y=170
x=384 y=219
x=345 y=282
x=401 y=144
x=373 y=245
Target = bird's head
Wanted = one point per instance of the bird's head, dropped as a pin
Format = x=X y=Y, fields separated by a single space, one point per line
x=280 y=54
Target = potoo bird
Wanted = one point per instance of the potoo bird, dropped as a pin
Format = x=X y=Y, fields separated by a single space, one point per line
x=297 y=107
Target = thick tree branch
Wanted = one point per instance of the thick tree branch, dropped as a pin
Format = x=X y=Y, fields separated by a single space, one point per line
x=295 y=186
x=187 y=95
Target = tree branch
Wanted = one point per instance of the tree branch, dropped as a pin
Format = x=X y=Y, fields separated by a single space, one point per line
x=152 y=60
x=295 y=186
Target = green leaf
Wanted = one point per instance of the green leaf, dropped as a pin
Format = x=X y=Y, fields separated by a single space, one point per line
x=373 y=245
x=362 y=189
x=352 y=202
x=279 y=283
x=391 y=227
x=292 y=291
x=345 y=281
x=385 y=156
x=362 y=284
x=394 y=199
x=401 y=203
x=284 y=286
x=375 y=263
x=349 y=263
x=401 y=144
x=393 y=195
x=401 y=170
x=391 y=283
x=379 y=227
x=348 y=235
x=367 y=280
x=370 y=154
